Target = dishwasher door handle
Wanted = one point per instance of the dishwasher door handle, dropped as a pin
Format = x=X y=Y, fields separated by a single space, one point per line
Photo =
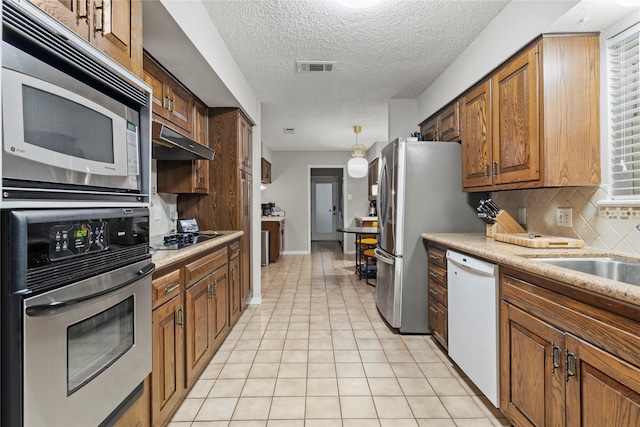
x=473 y=265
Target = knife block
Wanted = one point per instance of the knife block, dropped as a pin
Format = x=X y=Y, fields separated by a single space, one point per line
x=504 y=224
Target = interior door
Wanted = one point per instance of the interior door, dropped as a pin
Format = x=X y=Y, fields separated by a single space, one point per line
x=324 y=208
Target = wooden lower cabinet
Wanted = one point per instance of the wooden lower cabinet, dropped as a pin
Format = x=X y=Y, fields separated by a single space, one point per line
x=235 y=284
x=438 y=302
x=276 y=238
x=167 y=377
x=568 y=357
x=193 y=304
x=205 y=310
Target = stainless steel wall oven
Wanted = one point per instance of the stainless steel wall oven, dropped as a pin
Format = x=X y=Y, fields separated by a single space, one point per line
x=76 y=314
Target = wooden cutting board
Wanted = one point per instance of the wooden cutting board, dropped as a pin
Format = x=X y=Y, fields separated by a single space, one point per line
x=541 y=241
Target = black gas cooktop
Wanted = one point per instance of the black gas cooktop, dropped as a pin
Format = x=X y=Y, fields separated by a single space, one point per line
x=179 y=240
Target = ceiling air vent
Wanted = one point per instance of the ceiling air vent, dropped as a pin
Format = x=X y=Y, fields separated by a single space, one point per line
x=289 y=131
x=315 y=66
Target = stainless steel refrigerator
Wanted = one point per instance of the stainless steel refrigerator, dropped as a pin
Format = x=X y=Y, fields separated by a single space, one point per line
x=419 y=190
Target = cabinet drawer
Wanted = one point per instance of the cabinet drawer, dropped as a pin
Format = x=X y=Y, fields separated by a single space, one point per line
x=438 y=274
x=204 y=266
x=438 y=322
x=165 y=287
x=437 y=257
x=234 y=249
x=439 y=292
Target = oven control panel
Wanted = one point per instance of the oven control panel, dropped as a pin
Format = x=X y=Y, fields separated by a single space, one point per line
x=79 y=238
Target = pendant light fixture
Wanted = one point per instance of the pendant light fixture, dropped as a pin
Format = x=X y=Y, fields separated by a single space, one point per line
x=357 y=167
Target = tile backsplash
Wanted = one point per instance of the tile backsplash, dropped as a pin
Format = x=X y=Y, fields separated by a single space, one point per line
x=162 y=204
x=600 y=227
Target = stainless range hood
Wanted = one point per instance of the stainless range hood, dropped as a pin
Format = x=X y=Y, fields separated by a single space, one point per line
x=169 y=144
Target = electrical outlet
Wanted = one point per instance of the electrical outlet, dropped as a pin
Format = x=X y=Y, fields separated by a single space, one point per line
x=564 y=217
x=522 y=216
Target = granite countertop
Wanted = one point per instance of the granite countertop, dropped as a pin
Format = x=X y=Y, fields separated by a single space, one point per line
x=272 y=218
x=163 y=258
x=519 y=257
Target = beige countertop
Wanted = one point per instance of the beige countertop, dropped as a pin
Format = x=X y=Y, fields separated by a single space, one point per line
x=163 y=258
x=520 y=257
x=367 y=218
x=272 y=218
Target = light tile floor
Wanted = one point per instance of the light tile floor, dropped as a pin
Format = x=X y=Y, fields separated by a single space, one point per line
x=316 y=353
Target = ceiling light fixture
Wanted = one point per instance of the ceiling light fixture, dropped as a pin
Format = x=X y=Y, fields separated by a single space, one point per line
x=357 y=167
x=358 y=4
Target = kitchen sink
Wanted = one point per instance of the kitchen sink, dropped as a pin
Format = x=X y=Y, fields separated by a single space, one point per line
x=609 y=268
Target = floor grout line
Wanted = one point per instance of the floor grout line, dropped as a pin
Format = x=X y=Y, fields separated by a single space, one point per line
x=382 y=379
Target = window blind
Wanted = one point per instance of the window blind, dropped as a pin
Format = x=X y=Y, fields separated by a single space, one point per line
x=624 y=98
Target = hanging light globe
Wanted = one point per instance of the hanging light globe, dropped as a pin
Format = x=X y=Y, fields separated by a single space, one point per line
x=357 y=166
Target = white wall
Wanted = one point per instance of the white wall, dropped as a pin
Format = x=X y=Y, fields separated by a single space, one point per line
x=290 y=190
x=266 y=152
x=403 y=118
x=517 y=24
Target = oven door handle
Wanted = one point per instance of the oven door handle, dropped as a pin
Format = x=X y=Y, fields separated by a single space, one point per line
x=60 y=306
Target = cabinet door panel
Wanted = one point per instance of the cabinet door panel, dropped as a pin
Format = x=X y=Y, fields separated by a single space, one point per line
x=477 y=136
x=429 y=130
x=605 y=390
x=516 y=145
x=117 y=31
x=438 y=321
x=235 y=291
x=155 y=77
x=449 y=123
x=73 y=14
x=167 y=383
x=533 y=393
x=199 y=321
x=221 y=284
x=181 y=111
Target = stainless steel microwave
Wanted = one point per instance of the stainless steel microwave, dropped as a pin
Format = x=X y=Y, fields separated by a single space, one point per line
x=76 y=125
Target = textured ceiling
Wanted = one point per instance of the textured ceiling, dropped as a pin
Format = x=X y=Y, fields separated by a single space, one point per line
x=394 y=49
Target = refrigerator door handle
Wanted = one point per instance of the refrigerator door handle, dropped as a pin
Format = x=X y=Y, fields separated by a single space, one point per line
x=381 y=256
x=382 y=195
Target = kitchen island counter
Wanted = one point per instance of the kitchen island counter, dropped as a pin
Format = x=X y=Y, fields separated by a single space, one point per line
x=521 y=258
x=272 y=218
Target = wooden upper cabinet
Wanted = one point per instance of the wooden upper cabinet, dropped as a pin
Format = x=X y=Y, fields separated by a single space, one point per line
x=516 y=145
x=245 y=146
x=265 y=176
x=443 y=126
x=429 y=129
x=172 y=104
x=113 y=26
x=372 y=177
x=477 y=136
x=449 y=123
x=72 y=14
x=543 y=125
x=201 y=134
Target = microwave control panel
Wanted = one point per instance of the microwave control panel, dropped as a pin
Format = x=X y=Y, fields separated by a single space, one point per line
x=76 y=239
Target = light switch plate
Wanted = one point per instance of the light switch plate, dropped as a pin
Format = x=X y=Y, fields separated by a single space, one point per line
x=564 y=217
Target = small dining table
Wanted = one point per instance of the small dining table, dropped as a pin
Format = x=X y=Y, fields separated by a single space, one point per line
x=358 y=231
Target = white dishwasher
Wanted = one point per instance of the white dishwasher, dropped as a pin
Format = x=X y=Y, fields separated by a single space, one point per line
x=473 y=320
